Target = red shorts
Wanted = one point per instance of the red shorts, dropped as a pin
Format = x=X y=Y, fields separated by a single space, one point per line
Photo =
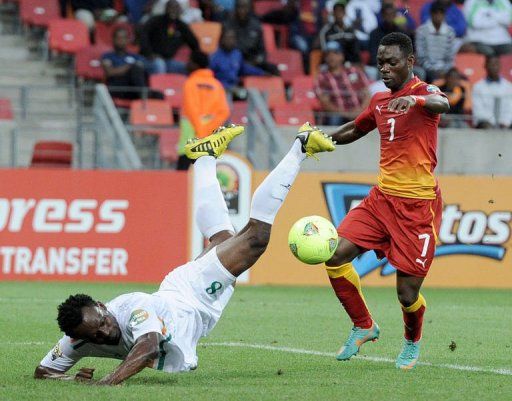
x=402 y=229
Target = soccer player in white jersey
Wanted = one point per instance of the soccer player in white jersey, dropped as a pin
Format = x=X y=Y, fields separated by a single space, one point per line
x=161 y=330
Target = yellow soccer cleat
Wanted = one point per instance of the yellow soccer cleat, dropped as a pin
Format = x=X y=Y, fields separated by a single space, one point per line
x=314 y=140
x=214 y=144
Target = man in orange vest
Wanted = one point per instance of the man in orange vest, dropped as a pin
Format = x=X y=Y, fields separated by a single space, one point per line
x=205 y=105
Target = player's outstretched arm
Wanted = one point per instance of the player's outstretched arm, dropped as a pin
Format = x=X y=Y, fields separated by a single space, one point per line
x=347 y=133
x=436 y=104
x=142 y=355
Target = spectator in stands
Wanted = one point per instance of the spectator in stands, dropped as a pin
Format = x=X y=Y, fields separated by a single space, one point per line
x=454 y=17
x=362 y=18
x=403 y=18
x=205 y=106
x=216 y=10
x=90 y=11
x=161 y=38
x=250 y=36
x=434 y=43
x=337 y=31
x=488 y=23
x=137 y=10
x=228 y=64
x=458 y=92
x=123 y=70
x=492 y=98
x=334 y=87
x=188 y=14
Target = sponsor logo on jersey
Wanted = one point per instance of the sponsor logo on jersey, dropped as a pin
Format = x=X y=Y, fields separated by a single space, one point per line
x=462 y=232
x=138 y=316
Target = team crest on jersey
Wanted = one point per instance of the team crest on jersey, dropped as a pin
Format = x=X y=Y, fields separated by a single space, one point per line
x=56 y=352
x=433 y=89
x=494 y=230
x=138 y=316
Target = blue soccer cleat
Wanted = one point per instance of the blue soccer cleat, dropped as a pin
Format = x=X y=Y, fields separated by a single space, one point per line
x=409 y=356
x=357 y=337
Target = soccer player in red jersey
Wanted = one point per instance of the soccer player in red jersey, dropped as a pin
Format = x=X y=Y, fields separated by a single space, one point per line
x=400 y=217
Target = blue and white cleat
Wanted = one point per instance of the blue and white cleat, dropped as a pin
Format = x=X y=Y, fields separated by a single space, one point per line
x=358 y=337
x=409 y=356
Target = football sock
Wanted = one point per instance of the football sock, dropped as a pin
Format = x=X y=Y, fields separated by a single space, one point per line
x=211 y=213
x=413 y=319
x=347 y=287
x=271 y=193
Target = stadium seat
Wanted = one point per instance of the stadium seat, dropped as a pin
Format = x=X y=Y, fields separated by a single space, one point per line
x=52 y=154
x=289 y=63
x=208 y=35
x=168 y=145
x=471 y=65
x=272 y=86
x=414 y=7
x=315 y=59
x=269 y=38
x=151 y=112
x=506 y=66
x=88 y=63
x=293 y=114
x=171 y=85
x=183 y=54
x=303 y=92
x=239 y=113
x=263 y=7
x=103 y=32
x=67 y=36
x=39 y=12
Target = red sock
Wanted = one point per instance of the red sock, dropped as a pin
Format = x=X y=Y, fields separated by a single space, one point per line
x=413 y=319
x=347 y=287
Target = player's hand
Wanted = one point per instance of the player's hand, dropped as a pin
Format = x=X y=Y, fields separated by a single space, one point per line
x=84 y=374
x=401 y=104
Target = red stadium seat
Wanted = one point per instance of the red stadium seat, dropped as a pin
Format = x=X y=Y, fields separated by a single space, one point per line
x=272 y=86
x=506 y=66
x=39 y=12
x=289 y=63
x=303 y=88
x=88 y=63
x=239 y=113
x=122 y=103
x=208 y=35
x=52 y=154
x=269 y=38
x=263 y=7
x=171 y=85
x=471 y=65
x=67 y=36
x=103 y=32
x=151 y=112
x=293 y=114
x=168 y=145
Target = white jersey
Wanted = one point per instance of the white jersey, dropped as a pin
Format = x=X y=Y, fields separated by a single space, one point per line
x=187 y=306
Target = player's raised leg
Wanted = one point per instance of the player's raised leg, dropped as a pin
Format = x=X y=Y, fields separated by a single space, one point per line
x=413 y=308
x=240 y=252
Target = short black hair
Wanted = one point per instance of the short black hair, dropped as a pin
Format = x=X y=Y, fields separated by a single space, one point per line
x=399 y=39
x=70 y=312
x=339 y=4
x=437 y=7
x=200 y=59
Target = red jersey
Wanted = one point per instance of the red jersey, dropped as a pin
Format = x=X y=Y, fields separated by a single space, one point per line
x=408 y=142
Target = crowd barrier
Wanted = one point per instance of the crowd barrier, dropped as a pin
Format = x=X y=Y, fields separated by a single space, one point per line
x=136 y=226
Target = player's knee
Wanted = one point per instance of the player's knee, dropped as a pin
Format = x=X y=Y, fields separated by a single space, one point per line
x=340 y=257
x=259 y=238
x=407 y=296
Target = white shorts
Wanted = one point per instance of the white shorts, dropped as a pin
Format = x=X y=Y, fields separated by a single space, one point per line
x=205 y=284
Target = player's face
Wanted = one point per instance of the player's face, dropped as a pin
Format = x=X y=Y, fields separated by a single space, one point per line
x=98 y=326
x=393 y=66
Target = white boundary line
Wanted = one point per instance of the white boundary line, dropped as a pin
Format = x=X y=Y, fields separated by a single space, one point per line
x=476 y=369
x=465 y=368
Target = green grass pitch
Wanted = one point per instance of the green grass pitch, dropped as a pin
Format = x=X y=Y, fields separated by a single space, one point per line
x=260 y=350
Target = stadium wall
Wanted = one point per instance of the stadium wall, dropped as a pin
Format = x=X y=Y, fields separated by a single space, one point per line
x=135 y=226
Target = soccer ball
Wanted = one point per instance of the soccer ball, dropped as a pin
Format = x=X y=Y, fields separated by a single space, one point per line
x=313 y=240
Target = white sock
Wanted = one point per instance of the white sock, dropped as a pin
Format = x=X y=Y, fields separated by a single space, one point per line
x=271 y=193
x=211 y=213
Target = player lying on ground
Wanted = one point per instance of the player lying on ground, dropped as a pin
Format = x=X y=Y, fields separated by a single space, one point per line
x=401 y=216
x=161 y=330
